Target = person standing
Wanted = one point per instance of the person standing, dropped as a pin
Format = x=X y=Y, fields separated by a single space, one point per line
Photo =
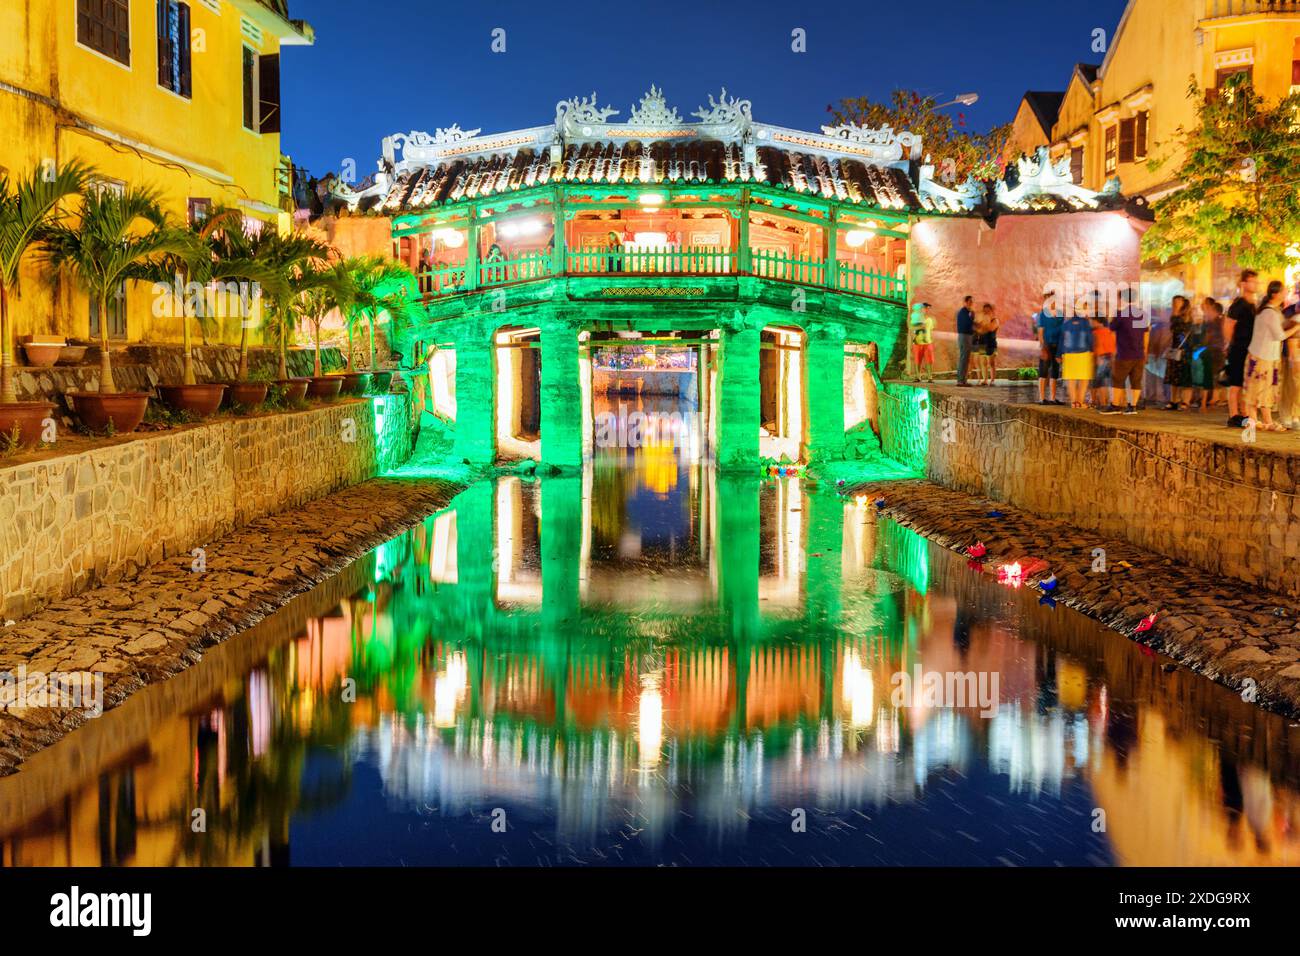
x=1289 y=407
x=921 y=326
x=1047 y=325
x=1076 y=358
x=1239 y=329
x=1130 y=357
x=1103 y=351
x=1263 y=358
x=1215 y=346
x=965 y=334
x=1178 y=367
x=986 y=344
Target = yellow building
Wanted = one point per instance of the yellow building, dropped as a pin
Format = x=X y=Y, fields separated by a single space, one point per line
x=1115 y=119
x=181 y=96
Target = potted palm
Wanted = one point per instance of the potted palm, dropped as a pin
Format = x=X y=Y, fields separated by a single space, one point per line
x=120 y=236
x=383 y=291
x=27 y=208
x=284 y=259
x=322 y=287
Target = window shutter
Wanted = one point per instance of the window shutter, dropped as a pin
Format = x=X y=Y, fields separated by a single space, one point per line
x=1127 y=140
x=164 y=46
x=183 y=32
x=269 y=72
x=1143 y=134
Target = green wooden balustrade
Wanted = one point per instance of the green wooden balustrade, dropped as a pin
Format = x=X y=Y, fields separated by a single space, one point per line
x=690 y=260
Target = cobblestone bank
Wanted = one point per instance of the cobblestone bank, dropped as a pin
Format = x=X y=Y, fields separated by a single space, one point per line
x=156 y=625
x=1218 y=627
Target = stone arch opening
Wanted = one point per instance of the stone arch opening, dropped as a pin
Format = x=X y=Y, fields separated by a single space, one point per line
x=783 y=398
x=518 y=413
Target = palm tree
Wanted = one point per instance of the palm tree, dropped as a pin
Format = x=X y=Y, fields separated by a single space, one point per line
x=382 y=286
x=320 y=288
x=284 y=259
x=27 y=208
x=222 y=251
x=120 y=236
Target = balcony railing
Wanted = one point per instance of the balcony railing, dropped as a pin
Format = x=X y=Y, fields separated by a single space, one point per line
x=696 y=261
x=693 y=260
x=1215 y=9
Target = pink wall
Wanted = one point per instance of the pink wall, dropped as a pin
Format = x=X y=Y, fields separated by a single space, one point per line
x=1010 y=266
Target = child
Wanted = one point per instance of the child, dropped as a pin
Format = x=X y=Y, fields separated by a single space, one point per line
x=921 y=326
x=1076 y=357
x=1103 y=353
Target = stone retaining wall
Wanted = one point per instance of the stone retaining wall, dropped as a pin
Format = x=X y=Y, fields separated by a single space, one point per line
x=1152 y=489
x=70 y=523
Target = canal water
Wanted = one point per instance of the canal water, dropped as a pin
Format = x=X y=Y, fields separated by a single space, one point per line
x=652 y=664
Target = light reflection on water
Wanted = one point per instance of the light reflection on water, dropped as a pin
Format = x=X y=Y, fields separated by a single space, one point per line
x=654 y=664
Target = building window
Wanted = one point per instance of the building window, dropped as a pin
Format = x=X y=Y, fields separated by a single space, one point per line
x=1128 y=140
x=116 y=314
x=1143 y=134
x=105 y=27
x=174 y=47
x=198 y=210
x=1076 y=165
x=1222 y=76
x=1112 y=149
x=250 y=89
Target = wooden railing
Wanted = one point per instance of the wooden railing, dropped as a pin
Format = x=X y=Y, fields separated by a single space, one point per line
x=777 y=265
x=864 y=282
x=1215 y=9
x=696 y=260
x=692 y=260
x=535 y=265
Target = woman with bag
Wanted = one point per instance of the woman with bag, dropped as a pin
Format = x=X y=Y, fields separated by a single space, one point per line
x=1178 y=369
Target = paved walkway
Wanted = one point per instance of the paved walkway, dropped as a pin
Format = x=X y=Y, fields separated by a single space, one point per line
x=145 y=630
x=1209 y=426
x=1225 y=630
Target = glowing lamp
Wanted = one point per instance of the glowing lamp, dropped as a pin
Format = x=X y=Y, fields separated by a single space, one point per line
x=652 y=200
x=857 y=238
x=520 y=228
x=651 y=238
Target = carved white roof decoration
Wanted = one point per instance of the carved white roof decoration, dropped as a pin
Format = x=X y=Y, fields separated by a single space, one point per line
x=734 y=113
x=1040 y=177
x=654 y=110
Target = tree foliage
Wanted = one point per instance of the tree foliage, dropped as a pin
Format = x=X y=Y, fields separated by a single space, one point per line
x=1241 y=181
x=956 y=151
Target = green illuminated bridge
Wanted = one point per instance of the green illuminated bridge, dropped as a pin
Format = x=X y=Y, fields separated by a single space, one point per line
x=749 y=272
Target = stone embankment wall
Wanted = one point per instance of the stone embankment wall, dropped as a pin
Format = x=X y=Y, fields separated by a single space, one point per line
x=77 y=521
x=1226 y=507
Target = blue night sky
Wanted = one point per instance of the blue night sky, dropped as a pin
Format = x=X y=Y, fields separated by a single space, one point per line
x=390 y=65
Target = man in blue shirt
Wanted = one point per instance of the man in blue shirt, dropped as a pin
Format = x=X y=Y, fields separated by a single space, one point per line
x=1047 y=325
x=965 y=332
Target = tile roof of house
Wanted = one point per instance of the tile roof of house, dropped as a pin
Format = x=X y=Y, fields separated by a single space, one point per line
x=1046 y=107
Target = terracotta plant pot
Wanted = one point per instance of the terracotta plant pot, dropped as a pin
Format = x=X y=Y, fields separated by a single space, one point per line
x=324 y=386
x=42 y=355
x=29 y=417
x=72 y=355
x=380 y=381
x=199 y=400
x=295 y=389
x=124 y=409
x=249 y=394
x=355 y=383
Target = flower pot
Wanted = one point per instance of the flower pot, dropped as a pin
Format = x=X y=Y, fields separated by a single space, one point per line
x=324 y=386
x=72 y=355
x=29 y=417
x=355 y=383
x=42 y=354
x=125 y=410
x=295 y=389
x=199 y=400
x=250 y=394
x=380 y=381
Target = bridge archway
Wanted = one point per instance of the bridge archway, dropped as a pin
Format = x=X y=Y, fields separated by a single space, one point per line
x=783 y=399
x=518 y=393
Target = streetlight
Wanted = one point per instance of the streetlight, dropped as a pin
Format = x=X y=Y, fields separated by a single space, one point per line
x=965 y=99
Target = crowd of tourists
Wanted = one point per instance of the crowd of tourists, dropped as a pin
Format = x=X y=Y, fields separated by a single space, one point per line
x=1244 y=359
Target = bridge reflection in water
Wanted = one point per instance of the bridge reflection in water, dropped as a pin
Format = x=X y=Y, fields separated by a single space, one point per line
x=651 y=663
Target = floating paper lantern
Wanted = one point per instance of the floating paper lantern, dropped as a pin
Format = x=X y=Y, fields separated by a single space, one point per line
x=1049 y=583
x=1148 y=622
x=977 y=550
